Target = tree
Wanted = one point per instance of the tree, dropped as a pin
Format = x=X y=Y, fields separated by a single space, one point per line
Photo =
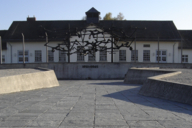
x=108 y=16
x=84 y=18
x=119 y=16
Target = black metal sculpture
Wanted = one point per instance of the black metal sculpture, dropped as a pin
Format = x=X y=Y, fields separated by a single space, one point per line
x=115 y=35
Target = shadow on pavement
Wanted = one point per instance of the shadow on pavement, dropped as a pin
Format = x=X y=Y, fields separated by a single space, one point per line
x=131 y=95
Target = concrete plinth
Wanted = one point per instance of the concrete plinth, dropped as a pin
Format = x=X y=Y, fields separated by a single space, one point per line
x=29 y=81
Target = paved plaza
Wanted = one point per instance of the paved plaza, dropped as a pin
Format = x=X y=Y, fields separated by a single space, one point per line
x=91 y=104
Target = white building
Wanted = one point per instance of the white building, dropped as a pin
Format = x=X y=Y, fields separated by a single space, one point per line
x=160 y=36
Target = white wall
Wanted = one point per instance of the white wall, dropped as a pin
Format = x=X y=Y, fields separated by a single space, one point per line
x=32 y=46
x=186 y=52
x=73 y=57
x=168 y=46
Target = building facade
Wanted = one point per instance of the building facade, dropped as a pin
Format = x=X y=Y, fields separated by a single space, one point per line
x=160 y=37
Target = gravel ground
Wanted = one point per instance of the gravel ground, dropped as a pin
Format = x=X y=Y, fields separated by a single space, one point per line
x=12 y=72
x=185 y=77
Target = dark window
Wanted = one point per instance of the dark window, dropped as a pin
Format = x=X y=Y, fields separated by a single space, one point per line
x=185 y=58
x=50 y=56
x=103 y=54
x=162 y=56
x=80 y=57
x=146 y=55
x=3 y=58
x=91 y=56
x=62 y=56
x=134 y=55
x=122 y=55
x=38 y=56
x=146 y=45
x=20 y=56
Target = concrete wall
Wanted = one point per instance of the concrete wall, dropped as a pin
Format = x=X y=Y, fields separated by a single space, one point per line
x=140 y=75
x=92 y=70
x=154 y=87
x=30 y=81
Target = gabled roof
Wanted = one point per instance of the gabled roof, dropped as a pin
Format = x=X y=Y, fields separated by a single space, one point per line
x=35 y=31
x=2 y=34
x=166 y=30
x=186 y=39
x=92 y=10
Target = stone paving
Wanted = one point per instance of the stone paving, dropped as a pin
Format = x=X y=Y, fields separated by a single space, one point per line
x=91 y=104
x=185 y=77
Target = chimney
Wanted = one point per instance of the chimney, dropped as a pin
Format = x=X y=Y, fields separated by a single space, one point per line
x=31 y=18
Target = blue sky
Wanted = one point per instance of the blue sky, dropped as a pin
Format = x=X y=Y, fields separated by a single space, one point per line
x=178 y=11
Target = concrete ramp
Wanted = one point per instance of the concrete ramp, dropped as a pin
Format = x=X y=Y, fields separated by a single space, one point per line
x=140 y=75
x=155 y=85
x=27 y=79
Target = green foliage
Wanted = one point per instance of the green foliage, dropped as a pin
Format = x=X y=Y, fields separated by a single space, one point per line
x=108 y=16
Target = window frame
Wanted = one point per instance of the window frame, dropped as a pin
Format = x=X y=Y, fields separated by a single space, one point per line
x=121 y=55
x=103 y=54
x=91 y=56
x=146 y=56
x=39 y=58
x=63 y=57
x=50 y=56
x=146 y=45
x=20 y=56
x=133 y=54
x=161 y=56
x=185 y=58
x=3 y=58
x=80 y=58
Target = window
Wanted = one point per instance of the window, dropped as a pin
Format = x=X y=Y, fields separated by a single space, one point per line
x=103 y=53
x=185 y=58
x=3 y=58
x=80 y=57
x=146 y=55
x=162 y=56
x=20 y=56
x=38 y=56
x=50 y=56
x=146 y=45
x=62 y=56
x=134 y=55
x=122 y=55
x=91 y=56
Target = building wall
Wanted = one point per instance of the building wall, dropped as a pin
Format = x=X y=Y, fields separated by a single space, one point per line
x=31 y=47
x=186 y=52
x=173 y=54
x=73 y=57
x=167 y=46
